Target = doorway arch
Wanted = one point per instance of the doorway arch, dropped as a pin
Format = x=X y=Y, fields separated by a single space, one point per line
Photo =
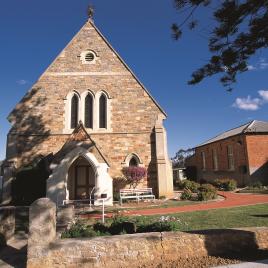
x=57 y=184
x=81 y=179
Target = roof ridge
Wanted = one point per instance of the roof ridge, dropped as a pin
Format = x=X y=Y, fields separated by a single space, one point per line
x=248 y=126
x=91 y=22
x=125 y=64
x=229 y=130
x=224 y=132
x=45 y=71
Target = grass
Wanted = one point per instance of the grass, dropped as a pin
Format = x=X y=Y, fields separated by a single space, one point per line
x=246 y=216
x=166 y=204
x=239 y=217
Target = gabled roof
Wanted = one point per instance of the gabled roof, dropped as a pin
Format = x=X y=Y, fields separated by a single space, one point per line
x=90 y=22
x=79 y=138
x=254 y=126
x=127 y=67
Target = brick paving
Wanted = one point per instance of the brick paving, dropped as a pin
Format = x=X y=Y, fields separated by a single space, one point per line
x=231 y=200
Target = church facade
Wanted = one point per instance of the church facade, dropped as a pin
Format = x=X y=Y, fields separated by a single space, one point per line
x=91 y=115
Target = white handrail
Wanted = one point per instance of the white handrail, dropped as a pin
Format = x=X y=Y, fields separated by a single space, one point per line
x=90 y=197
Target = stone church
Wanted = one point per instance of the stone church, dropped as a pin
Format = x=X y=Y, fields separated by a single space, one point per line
x=88 y=116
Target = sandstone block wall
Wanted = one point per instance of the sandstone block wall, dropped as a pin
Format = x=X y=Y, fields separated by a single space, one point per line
x=140 y=249
x=7 y=223
x=39 y=119
x=42 y=224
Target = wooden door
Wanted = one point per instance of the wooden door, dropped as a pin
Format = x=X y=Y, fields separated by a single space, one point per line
x=82 y=182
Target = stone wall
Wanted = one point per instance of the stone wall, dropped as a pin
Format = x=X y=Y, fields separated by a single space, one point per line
x=41 y=128
x=7 y=223
x=141 y=249
x=45 y=250
x=40 y=122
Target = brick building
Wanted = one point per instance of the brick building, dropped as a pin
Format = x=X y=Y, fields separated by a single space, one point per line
x=90 y=116
x=240 y=153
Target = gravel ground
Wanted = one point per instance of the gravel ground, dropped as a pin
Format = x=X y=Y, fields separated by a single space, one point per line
x=207 y=261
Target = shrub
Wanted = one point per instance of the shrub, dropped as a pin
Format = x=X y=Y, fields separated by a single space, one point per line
x=121 y=225
x=206 y=192
x=118 y=184
x=79 y=229
x=186 y=195
x=225 y=184
x=134 y=175
x=190 y=185
x=116 y=196
x=157 y=227
x=100 y=227
x=256 y=185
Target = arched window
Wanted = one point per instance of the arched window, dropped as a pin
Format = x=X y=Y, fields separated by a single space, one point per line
x=89 y=111
x=133 y=162
x=103 y=111
x=74 y=111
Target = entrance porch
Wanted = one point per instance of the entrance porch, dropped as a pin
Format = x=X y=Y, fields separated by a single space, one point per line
x=75 y=176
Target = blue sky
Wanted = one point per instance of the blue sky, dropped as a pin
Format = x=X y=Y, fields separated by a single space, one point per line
x=33 y=32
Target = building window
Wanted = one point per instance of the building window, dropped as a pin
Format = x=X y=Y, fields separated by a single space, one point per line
x=102 y=111
x=74 y=111
x=89 y=57
x=203 y=156
x=230 y=156
x=133 y=162
x=89 y=111
x=215 y=159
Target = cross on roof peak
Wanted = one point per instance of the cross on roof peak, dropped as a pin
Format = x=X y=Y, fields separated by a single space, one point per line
x=90 y=12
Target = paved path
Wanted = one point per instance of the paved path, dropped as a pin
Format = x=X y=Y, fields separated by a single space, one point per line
x=231 y=200
x=255 y=264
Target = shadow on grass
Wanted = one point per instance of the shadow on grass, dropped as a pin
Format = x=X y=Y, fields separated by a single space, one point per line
x=260 y=216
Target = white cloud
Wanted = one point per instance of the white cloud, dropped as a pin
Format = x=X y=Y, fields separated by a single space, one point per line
x=262 y=64
x=264 y=95
x=22 y=82
x=251 y=67
x=252 y=104
x=247 y=104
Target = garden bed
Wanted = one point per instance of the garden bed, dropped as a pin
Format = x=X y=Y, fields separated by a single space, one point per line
x=255 y=188
x=253 y=191
x=246 y=216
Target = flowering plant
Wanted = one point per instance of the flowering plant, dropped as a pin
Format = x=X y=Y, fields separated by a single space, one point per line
x=134 y=175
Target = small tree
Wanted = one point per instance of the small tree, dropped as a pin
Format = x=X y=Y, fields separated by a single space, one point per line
x=134 y=175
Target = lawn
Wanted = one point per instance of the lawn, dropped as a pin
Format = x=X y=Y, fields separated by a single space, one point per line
x=246 y=216
x=149 y=205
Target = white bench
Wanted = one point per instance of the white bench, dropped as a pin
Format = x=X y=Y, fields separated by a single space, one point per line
x=138 y=194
